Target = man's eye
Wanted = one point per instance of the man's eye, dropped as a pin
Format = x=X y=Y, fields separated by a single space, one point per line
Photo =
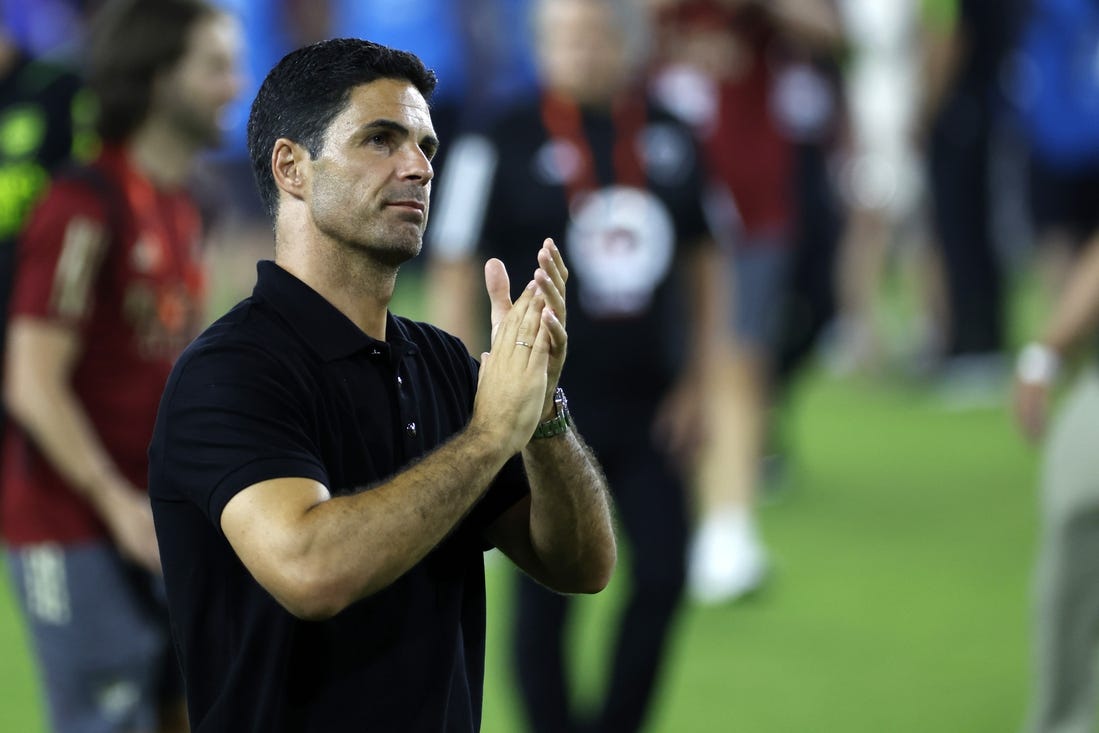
x=380 y=139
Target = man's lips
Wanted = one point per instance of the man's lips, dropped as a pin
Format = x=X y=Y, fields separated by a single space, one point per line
x=409 y=204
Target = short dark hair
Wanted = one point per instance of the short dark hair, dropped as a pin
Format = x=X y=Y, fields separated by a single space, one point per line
x=309 y=88
x=131 y=42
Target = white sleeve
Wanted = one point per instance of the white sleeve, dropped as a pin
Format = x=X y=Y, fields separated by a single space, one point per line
x=464 y=188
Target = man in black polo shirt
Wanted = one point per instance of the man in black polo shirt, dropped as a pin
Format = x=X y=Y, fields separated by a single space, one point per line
x=325 y=475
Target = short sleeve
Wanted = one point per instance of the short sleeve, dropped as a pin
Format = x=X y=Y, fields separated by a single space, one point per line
x=60 y=255
x=232 y=416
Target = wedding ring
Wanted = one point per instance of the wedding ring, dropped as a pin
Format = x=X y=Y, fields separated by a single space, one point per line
x=524 y=343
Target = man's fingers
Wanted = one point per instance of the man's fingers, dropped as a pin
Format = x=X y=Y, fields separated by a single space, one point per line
x=498 y=286
x=1030 y=410
x=530 y=326
x=553 y=265
x=553 y=327
x=557 y=262
x=540 y=350
x=508 y=329
x=555 y=296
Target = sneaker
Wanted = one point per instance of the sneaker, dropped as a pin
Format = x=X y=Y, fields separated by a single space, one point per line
x=726 y=561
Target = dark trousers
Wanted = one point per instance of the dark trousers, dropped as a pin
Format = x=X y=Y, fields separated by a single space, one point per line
x=809 y=298
x=651 y=511
x=960 y=187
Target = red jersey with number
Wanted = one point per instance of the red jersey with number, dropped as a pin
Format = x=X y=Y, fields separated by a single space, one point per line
x=119 y=265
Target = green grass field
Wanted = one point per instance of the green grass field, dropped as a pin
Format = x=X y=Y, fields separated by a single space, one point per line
x=899 y=601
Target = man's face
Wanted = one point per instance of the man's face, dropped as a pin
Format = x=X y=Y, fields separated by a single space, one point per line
x=370 y=186
x=194 y=95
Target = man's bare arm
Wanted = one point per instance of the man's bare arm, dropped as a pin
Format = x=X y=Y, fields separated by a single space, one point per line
x=563 y=534
x=41 y=357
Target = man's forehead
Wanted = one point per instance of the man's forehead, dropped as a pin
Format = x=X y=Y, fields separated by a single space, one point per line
x=389 y=98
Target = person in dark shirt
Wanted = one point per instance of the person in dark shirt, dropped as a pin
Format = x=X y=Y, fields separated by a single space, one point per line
x=616 y=179
x=326 y=475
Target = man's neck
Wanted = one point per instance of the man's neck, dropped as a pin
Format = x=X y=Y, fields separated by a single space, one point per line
x=160 y=155
x=347 y=277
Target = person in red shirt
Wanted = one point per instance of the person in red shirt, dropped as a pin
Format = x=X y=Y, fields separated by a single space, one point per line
x=108 y=288
x=736 y=70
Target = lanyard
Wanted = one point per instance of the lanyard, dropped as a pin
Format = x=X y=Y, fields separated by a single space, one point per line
x=564 y=121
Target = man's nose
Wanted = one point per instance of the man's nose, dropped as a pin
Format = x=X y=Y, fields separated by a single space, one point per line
x=415 y=165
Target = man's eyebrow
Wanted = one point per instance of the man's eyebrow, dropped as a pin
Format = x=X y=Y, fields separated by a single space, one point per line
x=397 y=127
x=385 y=124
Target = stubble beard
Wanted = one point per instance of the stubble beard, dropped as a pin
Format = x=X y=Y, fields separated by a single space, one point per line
x=388 y=249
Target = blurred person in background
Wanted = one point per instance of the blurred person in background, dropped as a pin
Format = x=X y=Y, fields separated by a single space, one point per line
x=1058 y=95
x=107 y=292
x=961 y=106
x=46 y=120
x=616 y=181
x=1066 y=599
x=882 y=174
x=814 y=92
x=736 y=70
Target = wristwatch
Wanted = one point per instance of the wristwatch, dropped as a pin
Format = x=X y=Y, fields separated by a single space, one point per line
x=560 y=422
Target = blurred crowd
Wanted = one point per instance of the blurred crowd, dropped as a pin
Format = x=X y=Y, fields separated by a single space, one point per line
x=844 y=156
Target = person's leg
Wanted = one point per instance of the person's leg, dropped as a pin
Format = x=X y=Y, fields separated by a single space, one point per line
x=727 y=559
x=651 y=507
x=1067 y=571
x=960 y=190
x=808 y=300
x=538 y=646
x=99 y=651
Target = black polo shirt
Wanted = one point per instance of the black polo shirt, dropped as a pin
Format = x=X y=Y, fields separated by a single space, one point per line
x=285 y=385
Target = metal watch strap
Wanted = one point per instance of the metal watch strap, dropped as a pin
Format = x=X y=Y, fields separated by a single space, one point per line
x=559 y=423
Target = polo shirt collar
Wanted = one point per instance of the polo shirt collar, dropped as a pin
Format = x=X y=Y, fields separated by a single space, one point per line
x=326 y=330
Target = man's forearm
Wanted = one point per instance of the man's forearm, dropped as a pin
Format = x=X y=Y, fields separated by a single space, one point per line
x=1077 y=310
x=571 y=529
x=54 y=418
x=338 y=550
x=704 y=278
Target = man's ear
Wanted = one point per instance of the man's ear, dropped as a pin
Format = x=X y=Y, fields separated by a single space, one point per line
x=290 y=167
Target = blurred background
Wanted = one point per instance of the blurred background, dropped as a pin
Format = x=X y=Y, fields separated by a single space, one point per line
x=934 y=199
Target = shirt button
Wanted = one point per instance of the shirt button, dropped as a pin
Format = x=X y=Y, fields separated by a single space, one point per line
x=399 y=381
x=411 y=429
